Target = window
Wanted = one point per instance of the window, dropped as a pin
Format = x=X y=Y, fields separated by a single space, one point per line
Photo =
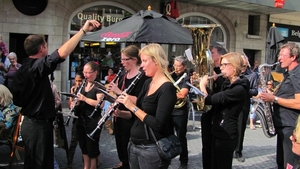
x=253 y=24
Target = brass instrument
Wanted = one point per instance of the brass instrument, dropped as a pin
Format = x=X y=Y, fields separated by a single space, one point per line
x=114 y=107
x=71 y=113
x=264 y=109
x=180 y=102
x=202 y=61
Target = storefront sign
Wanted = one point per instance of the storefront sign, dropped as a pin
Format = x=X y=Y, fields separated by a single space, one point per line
x=94 y=16
x=289 y=32
x=172 y=9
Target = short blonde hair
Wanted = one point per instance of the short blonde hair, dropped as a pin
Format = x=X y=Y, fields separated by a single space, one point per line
x=236 y=60
x=5 y=96
x=297 y=129
x=157 y=54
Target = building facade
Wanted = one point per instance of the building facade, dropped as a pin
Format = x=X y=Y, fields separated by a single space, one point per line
x=238 y=30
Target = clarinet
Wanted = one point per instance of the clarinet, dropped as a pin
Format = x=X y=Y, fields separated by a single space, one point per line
x=114 y=107
x=101 y=100
x=74 y=105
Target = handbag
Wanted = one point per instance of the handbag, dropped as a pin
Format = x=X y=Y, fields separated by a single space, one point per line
x=168 y=147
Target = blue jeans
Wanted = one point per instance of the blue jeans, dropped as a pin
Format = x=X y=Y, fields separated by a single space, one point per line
x=145 y=157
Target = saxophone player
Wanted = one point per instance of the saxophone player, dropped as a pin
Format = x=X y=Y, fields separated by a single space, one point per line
x=286 y=104
x=180 y=114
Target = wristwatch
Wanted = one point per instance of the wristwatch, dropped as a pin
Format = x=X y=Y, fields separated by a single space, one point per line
x=275 y=100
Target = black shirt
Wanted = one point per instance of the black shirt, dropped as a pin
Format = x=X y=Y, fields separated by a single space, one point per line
x=31 y=87
x=290 y=86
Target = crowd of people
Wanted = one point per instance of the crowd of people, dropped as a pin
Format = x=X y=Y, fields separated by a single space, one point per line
x=138 y=97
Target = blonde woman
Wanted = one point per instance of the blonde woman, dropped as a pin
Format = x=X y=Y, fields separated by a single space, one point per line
x=295 y=138
x=153 y=108
x=8 y=111
x=229 y=103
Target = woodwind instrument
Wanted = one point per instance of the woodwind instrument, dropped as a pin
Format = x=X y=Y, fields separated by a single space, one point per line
x=71 y=113
x=113 y=108
x=107 y=96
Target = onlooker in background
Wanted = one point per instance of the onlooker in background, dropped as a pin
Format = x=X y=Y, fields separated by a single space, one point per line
x=32 y=91
x=8 y=111
x=3 y=46
x=206 y=118
x=229 y=104
x=108 y=60
x=252 y=112
x=12 y=69
x=286 y=104
x=110 y=75
x=243 y=116
x=254 y=68
x=4 y=63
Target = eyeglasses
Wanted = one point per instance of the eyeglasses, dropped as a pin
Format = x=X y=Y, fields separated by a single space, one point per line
x=225 y=64
x=244 y=66
x=125 y=59
x=88 y=72
x=293 y=138
x=269 y=84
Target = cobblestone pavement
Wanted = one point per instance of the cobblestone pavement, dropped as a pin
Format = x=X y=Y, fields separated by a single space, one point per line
x=259 y=151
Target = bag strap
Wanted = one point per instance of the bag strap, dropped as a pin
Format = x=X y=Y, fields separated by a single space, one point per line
x=152 y=133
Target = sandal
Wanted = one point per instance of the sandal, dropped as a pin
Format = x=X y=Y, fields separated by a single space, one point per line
x=119 y=166
x=252 y=127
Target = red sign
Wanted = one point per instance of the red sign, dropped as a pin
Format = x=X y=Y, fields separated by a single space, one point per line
x=172 y=9
x=279 y=3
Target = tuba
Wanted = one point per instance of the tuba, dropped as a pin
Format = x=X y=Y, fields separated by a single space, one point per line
x=202 y=59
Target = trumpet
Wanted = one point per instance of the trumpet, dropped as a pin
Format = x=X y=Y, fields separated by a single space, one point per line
x=70 y=114
x=113 y=108
x=107 y=95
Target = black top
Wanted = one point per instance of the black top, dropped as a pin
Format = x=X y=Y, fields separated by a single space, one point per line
x=228 y=104
x=136 y=89
x=290 y=86
x=159 y=107
x=182 y=84
x=31 y=87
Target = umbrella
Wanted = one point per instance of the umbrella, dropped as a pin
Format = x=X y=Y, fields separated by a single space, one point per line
x=146 y=26
x=274 y=41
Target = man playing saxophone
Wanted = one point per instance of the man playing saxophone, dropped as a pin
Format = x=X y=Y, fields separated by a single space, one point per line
x=286 y=104
x=180 y=112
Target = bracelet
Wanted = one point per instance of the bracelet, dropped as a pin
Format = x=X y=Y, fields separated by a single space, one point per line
x=83 y=31
x=135 y=109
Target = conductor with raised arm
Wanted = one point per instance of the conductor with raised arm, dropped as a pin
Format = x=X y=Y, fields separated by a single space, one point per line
x=32 y=91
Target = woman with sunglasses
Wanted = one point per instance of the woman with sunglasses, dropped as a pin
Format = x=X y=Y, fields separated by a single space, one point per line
x=229 y=103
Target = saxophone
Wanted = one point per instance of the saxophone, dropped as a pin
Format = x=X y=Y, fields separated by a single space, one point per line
x=264 y=109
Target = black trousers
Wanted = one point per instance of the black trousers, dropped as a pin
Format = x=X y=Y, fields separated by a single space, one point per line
x=180 y=124
x=242 y=123
x=206 y=126
x=222 y=153
x=38 y=139
x=122 y=129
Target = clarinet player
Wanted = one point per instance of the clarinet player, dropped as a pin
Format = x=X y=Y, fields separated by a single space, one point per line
x=286 y=104
x=88 y=98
